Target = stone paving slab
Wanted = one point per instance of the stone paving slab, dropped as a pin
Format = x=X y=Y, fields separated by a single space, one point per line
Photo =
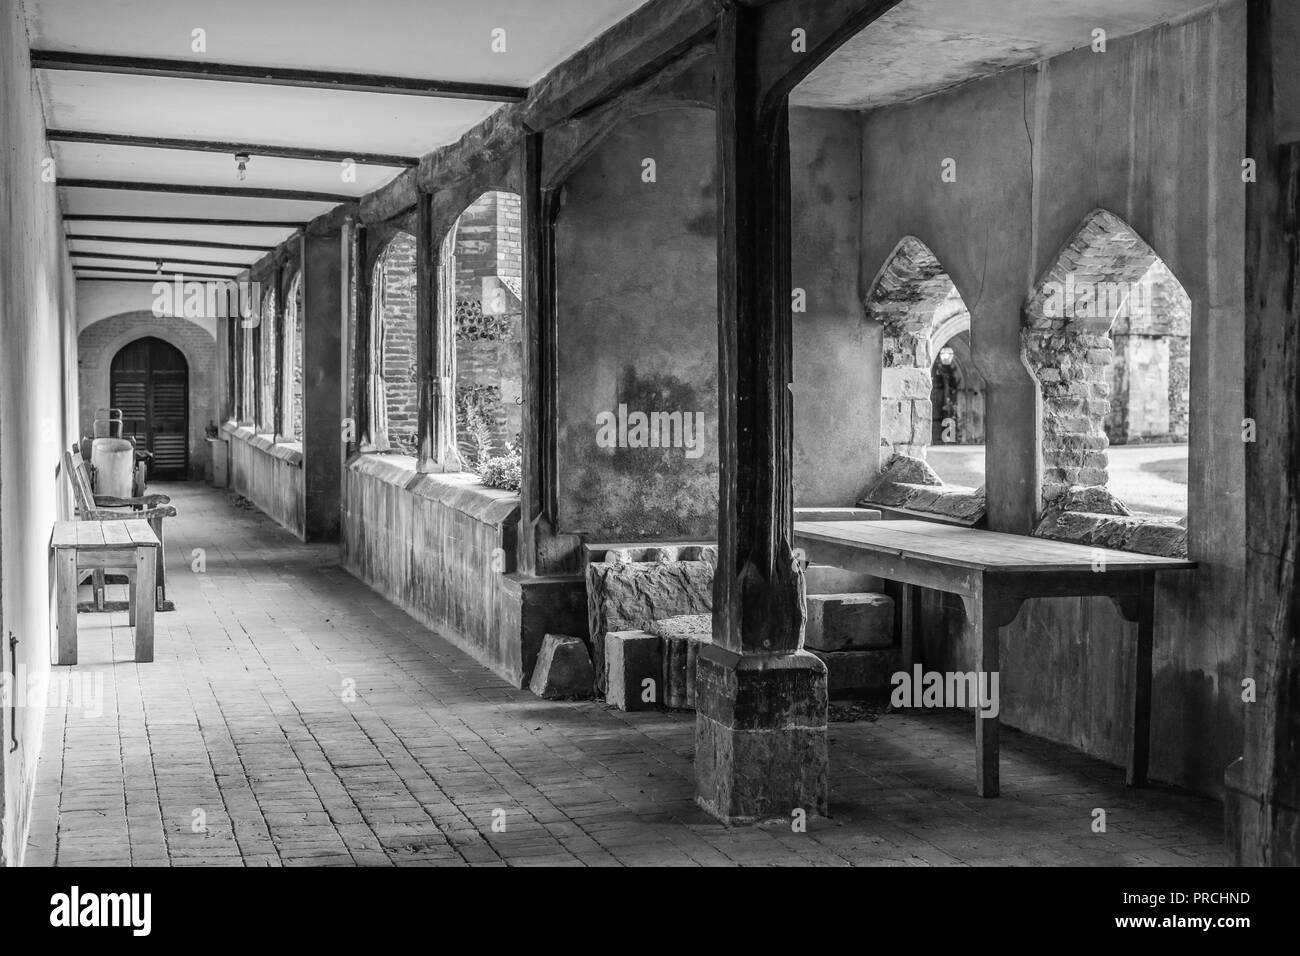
x=293 y=717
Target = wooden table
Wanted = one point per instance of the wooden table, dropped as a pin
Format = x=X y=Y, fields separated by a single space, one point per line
x=994 y=574
x=125 y=547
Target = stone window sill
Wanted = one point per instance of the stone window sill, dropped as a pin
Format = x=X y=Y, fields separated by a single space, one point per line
x=909 y=486
x=286 y=451
x=1163 y=537
x=461 y=491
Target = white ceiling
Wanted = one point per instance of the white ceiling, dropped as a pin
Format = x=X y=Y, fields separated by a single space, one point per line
x=919 y=47
x=440 y=39
x=429 y=39
x=924 y=46
x=244 y=112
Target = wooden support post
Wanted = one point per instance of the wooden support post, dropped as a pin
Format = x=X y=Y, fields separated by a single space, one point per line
x=532 y=508
x=760 y=731
x=1262 y=801
x=757 y=605
x=540 y=550
x=435 y=350
x=322 y=445
x=277 y=396
x=357 y=346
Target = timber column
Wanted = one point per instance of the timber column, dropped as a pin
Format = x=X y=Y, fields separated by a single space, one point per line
x=760 y=726
x=324 y=303
x=1262 y=799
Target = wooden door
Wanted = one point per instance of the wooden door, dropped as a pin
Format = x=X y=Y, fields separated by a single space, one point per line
x=149 y=382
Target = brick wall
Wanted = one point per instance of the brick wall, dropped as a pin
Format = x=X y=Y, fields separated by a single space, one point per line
x=394 y=299
x=100 y=341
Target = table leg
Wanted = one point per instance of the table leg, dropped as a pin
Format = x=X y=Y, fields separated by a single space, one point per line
x=145 y=598
x=65 y=565
x=132 y=599
x=985 y=621
x=1140 y=750
x=910 y=624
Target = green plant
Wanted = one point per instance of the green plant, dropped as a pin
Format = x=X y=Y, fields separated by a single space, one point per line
x=503 y=471
x=473 y=427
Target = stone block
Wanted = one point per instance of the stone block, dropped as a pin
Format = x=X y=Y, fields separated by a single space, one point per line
x=906 y=382
x=682 y=639
x=631 y=659
x=855 y=672
x=632 y=595
x=841 y=622
x=896 y=421
x=563 y=669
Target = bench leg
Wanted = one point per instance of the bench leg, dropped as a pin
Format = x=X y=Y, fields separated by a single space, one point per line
x=985 y=621
x=98 y=583
x=145 y=564
x=1140 y=748
x=66 y=594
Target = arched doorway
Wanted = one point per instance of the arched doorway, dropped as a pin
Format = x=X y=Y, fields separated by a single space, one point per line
x=149 y=382
x=956 y=394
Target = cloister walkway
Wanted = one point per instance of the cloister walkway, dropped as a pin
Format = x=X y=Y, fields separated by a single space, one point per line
x=294 y=717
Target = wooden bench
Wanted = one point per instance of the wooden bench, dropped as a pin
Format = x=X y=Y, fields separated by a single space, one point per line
x=129 y=547
x=92 y=507
x=993 y=574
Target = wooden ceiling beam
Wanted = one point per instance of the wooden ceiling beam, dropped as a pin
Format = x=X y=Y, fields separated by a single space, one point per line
x=274 y=76
x=305 y=153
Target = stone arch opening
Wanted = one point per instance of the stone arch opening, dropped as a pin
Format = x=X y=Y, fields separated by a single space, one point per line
x=956 y=391
x=931 y=394
x=397 y=409
x=1107 y=335
x=481 y=278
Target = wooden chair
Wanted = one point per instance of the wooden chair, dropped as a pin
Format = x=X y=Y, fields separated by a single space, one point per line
x=93 y=507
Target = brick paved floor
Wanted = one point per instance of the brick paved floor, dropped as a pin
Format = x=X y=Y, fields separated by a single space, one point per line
x=239 y=746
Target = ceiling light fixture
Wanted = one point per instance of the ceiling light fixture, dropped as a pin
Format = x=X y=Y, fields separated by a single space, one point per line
x=241 y=166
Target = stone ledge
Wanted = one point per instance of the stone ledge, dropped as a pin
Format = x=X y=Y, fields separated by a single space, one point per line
x=1116 y=532
x=460 y=491
x=910 y=485
x=289 y=452
x=1093 y=516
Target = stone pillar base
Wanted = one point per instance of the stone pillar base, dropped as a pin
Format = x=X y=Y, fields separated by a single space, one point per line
x=760 y=735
